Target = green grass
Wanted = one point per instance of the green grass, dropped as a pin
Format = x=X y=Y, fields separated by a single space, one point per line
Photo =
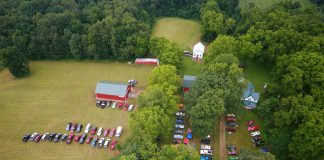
x=191 y=67
x=58 y=92
x=258 y=74
x=184 y=32
x=268 y=3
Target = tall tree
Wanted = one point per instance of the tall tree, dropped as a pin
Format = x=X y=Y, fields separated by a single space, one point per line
x=15 y=61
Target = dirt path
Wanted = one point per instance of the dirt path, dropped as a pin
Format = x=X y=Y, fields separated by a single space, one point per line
x=222 y=150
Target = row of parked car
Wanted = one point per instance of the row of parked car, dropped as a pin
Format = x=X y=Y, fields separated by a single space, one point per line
x=74 y=127
x=230 y=122
x=206 y=152
x=255 y=133
x=179 y=126
x=81 y=138
x=120 y=105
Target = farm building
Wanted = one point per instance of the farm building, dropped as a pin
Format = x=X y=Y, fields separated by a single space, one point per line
x=187 y=82
x=147 y=61
x=111 y=91
x=198 y=51
x=250 y=98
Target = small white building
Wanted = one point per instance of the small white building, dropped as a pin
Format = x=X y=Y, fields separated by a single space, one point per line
x=198 y=51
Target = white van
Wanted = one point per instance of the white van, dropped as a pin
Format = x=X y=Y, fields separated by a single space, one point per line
x=130 y=108
x=87 y=128
x=119 y=131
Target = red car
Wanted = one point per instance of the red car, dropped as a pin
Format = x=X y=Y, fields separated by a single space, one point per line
x=106 y=132
x=38 y=138
x=113 y=144
x=126 y=107
x=250 y=122
x=93 y=130
x=77 y=138
x=120 y=105
x=69 y=139
x=230 y=129
x=231 y=119
x=112 y=132
x=253 y=128
x=73 y=127
x=89 y=140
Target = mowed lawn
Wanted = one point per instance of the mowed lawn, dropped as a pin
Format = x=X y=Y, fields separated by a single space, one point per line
x=184 y=32
x=268 y=3
x=58 y=92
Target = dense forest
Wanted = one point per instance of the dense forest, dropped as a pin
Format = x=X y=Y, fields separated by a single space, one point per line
x=286 y=36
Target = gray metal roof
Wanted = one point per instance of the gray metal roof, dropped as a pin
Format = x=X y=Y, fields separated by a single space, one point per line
x=188 y=80
x=111 y=88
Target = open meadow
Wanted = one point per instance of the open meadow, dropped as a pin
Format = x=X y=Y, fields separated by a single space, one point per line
x=58 y=92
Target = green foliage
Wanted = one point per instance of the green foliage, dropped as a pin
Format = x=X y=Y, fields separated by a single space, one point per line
x=15 y=61
x=255 y=155
x=165 y=76
x=176 y=152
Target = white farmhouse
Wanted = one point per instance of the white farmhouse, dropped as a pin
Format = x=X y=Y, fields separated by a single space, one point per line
x=198 y=51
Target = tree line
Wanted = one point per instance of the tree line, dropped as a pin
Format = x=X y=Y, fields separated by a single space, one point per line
x=289 y=38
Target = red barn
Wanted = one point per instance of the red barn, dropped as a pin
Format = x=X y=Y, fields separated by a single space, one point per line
x=147 y=61
x=187 y=82
x=110 y=91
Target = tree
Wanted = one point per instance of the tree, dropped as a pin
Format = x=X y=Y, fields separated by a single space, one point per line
x=176 y=152
x=255 y=155
x=165 y=76
x=15 y=61
x=76 y=46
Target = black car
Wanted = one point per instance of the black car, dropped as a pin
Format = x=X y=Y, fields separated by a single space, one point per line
x=79 y=128
x=256 y=138
x=82 y=139
x=94 y=142
x=179 y=121
x=259 y=143
x=178 y=131
x=231 y=124
x=57 y=137
x=26 y=137
x=98 y=103
x=51 y=137
x=103 y=104
x=68 y=127
x=63 y=137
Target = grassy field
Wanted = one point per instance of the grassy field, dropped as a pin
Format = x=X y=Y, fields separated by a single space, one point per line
x=184 y=32
x=268 y=3
x=54 y=94
x=191 y=67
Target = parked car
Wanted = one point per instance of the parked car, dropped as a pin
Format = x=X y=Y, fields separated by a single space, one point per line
x=33 y=136
x=230 y=124
x=230 y=129
x=26 y=137
x=79 y=128
x=180 y=121
x=77 y=138
x=98 y=103
x=83 y=138
x=51 y=137
x=103 y=104
x=45 y=137
x=94 y=142
x=250 y=122
x=112 y=132
x=253 y=128
x=73 y=127
x=178 y=131
x=68 y=127
x=113 y=144
x=114 y=105
x=87 y=128
x=119 y=131
x=64 y=137
x=231 y=119
x=93 y=130
x=256 y=133
x=178 y=136
x=88 y=139
x=182 y=114
x=130 y=108
x=100 y=143
x=187 y=53
x=126 y=107
x=57 y=137
x=106 y=144
x=99 y=131
x=176 y=141
x=231 y=147
x=108 y=104
x=120 y=105
x=230 y=115
x=259 y=143
x=179 y=126
x=38 y=138
x=106 y=132
x=189 y=130
x=70 y=138
x=256 y=138
x=232 y=152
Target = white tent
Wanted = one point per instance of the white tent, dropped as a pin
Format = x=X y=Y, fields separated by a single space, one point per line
x=198 y=50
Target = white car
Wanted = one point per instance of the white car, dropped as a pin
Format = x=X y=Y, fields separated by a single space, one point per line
x=44 y=136
x=33 y=136
x=256 y=133
x=99 y=131
x=106 y=144
x=100 y=143
x=178 y=136
x=87 y=129
x=114 y=105
x=179 y=126
x=204 y=147
x=206 y=152
x=130 y=108
x=119 y=131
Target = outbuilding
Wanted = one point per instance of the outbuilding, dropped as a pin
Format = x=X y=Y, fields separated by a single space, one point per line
x=198 y=51
x=112 y=91
x=187 y=82
x=147 y=61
